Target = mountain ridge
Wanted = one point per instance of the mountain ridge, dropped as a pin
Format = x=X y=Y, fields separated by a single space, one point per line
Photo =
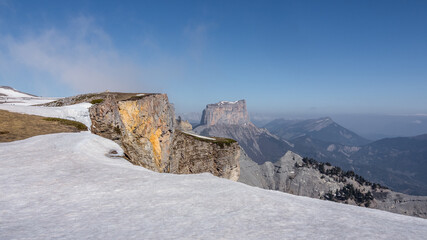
x=324 y=129
x=307 y=177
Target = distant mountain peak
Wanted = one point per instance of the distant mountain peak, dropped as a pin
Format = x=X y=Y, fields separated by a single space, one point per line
x=324 y=129
x=225 y=112
x=320 y=123
x=12 y=92
x=231 y=120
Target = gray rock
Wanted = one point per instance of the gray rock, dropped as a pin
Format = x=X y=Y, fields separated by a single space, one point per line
x=284 y=176
x=250 y=172
x=230 y=120
x=183 y=125
x=401 y=203
x=225 y=113
x=144 y=125
x=291 y=175
x=193 y=154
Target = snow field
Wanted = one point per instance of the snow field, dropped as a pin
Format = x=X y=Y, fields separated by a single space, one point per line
x=64 y=186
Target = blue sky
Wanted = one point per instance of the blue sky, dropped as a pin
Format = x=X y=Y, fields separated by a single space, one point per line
x=290 y=57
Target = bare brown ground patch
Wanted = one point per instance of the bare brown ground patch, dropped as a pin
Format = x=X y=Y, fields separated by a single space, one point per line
x=17 y=126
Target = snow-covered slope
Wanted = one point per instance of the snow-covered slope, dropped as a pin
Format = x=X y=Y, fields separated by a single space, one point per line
x=12 y=96
x=76 y=112
x=11 y=92
x=63 y=186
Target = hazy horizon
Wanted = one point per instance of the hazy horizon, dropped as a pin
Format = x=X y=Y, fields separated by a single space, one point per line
x=286 y=58
x=369 y=126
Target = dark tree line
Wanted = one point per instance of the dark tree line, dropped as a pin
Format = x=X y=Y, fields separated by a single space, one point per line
x=337 y=173
x=349 y=192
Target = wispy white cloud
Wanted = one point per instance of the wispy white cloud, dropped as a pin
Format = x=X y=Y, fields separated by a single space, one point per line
x=85 y=58
x=82 y=56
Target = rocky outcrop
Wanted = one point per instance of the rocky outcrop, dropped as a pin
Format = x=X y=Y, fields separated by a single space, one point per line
x=225 y=113
x=395 y=202
x=144 y=125
x=306 y=177
x=230 y=120
x=198 y=154
x=183 y=125
x=285 y=176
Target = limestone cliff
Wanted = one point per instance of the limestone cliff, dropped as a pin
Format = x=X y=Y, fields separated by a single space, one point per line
x=225 y=113
x=197 y=154
x=230 y=120
x=144 y=125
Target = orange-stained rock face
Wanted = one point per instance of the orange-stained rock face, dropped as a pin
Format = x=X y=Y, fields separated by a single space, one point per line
x=150 y=121
x=144 y=125
x=157 y=149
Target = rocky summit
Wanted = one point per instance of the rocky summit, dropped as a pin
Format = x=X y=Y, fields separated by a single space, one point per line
x=230 y=113
x=231 y=120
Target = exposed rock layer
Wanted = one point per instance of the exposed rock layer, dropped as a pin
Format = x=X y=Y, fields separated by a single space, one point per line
x=144 y=125
x=192 y=154
x=183 y=125
x=290 y=175
x=230 y=120
x=225 y=113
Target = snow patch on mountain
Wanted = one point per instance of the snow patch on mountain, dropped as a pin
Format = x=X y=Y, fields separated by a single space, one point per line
x=227 y=102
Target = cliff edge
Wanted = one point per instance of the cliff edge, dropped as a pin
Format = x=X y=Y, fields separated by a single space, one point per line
x=224 y=112
x=144 y=125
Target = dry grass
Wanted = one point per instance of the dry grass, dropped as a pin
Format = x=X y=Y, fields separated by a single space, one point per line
x=94 y=98
x=17 y=126
x=80 y=126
